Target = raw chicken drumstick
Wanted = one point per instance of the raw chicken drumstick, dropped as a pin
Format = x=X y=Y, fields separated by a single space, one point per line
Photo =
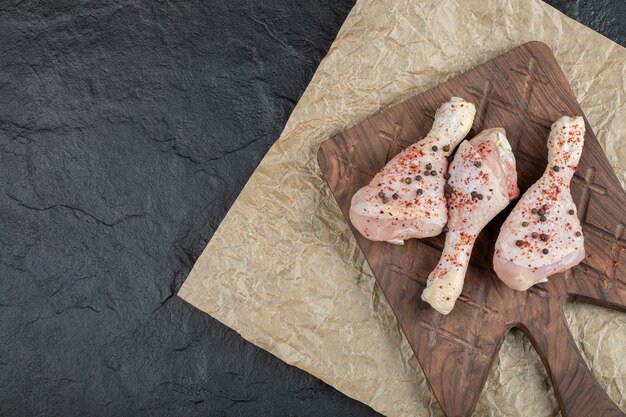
x=405 y=199
x=542 y=235
x=482 y=182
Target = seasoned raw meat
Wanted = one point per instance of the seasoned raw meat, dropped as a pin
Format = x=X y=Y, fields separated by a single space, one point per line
x=482 y=182
x=542 y=235
x=405 y=199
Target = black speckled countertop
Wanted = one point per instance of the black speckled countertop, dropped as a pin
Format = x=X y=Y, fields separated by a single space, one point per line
x=127 y=129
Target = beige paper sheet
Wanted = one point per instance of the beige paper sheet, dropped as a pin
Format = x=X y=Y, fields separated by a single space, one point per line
x=284 y=270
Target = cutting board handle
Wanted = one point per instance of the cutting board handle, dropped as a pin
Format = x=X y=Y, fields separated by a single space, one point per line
x=576 y=389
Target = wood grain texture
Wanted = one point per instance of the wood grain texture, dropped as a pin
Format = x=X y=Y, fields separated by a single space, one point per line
x=523 y=91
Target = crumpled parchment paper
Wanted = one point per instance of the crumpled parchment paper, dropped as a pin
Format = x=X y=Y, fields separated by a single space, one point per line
x=284 y=270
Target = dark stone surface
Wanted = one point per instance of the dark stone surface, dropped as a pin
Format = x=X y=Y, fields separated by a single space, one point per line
x=605 y=16
x=127 y=129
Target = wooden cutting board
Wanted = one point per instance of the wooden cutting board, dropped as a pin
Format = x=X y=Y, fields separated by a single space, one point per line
x=523 y=91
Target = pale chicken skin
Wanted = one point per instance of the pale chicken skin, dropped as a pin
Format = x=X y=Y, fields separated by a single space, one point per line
x=406 y=198
x=542 y=236
x=483 y=181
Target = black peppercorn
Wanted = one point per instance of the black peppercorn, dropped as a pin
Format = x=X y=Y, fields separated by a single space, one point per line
x=420 y=191
x=571 y=211
x=429 y=166
x=408 y=180
x=435 y=149
x=542 y=218
x=446 y=148
x=418 y=178
x=534 y=211
x=556 y=168
x=445 y=229
x=519 y=242
x=544 y=237
x=478 y=164
x=578 y=234
x=541 y=212
x=535 y=235
x=446 y=175
x=433 y=173
x=395 y=196
x=525 y=224
x=545 y=251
